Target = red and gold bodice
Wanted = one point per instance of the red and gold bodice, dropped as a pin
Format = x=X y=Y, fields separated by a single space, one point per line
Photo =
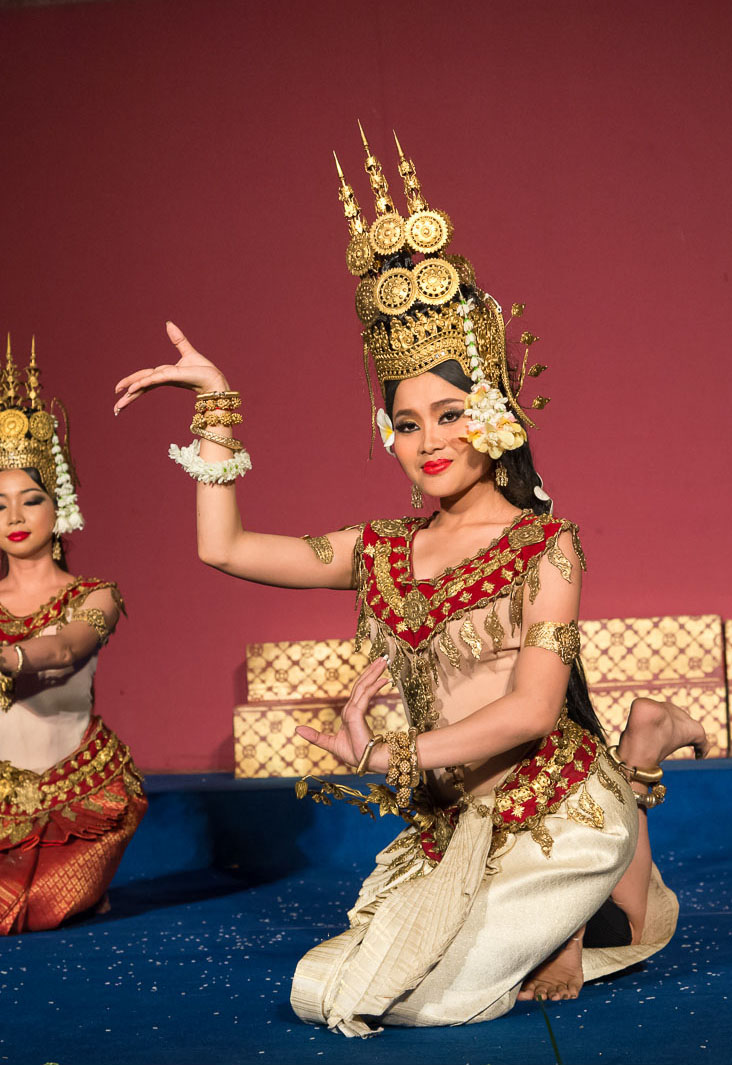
x=14 y=629
x=467 y=616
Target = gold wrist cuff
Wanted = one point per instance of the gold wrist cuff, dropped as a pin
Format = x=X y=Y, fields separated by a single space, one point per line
x=563 y=639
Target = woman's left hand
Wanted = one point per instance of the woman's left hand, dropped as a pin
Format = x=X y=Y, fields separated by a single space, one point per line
x=348 y=744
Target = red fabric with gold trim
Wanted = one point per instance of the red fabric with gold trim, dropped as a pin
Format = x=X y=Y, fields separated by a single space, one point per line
x=83 y=796
x=517 y=801
x=15 y=629
x=487 y=582
x=64 y=831
x=564 y=779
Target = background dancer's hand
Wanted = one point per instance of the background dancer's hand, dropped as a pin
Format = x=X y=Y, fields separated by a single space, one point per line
x=193 y=371
x=348 y=744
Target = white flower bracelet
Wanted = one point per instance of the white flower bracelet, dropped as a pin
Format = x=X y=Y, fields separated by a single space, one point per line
x=224 y=472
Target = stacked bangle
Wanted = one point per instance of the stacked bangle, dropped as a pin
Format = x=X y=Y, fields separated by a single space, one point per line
x=403 y=772
x=216 y=417
x=217 y=409
x=226 y=441
x=217 y=401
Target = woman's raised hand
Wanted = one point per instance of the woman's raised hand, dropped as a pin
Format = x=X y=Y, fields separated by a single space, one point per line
x=192 y=370
x=348 y=744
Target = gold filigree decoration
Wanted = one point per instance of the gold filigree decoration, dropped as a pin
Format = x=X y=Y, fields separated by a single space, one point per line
x=587 y=812
x=563 y=640
x=449 y=650
x=428 y=232
x=395 y=291
x=436 y=281
x=525 y=536
x=471 y=638
x=359 y=255
x=610 y=785
x=557 y=557
x=386 y=235
x=13 y=424
x=322 y=547
x=96 y=620
x=366 y=308
x=495 y=630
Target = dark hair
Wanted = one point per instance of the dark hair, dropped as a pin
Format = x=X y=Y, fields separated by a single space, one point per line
x=522 y=479
x=35 y=476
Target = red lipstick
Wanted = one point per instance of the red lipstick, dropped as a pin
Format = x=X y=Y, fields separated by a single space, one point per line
x=16 y=537
x=436 y=466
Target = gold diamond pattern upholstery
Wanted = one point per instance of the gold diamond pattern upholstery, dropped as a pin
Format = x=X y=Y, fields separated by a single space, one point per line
x=307 y=682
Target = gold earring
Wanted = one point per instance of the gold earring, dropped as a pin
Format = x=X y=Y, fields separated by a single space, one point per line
x=56 y=549
x=501 y=475
x=417 y=500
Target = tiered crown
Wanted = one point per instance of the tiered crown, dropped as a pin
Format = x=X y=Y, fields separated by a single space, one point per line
x=26 y=428
x=410 y=289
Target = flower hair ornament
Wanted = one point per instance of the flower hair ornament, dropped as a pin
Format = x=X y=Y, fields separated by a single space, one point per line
x=29 y=439
x=420 y=306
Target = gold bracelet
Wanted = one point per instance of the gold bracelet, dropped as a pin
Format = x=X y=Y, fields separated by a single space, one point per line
x=363 y=765
x=226 y=441
x=216 y=417
x=217 y=400
x=7 y=689
x=403 y=772
x=21 y=659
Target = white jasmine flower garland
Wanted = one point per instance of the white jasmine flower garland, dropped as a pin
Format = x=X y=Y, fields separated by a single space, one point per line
x=68 y=515
x=210 y=472
x=491 y=426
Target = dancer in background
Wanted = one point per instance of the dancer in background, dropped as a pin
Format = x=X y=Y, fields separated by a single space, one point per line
x=524 y=842
x=70 y=796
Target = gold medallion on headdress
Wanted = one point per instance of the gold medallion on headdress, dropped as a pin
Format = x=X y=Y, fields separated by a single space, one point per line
x=395 y=292
x=359 y=255
x=436 y=281
x=13 y=424
x=366 y=308
x=387 y=234
x=428 y=232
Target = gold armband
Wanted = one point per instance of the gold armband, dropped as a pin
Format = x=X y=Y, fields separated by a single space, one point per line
x=322 y=547
x=96 y=619
x=564 y=640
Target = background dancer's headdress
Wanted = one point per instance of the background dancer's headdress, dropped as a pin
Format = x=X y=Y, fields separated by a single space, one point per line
x=29 y=438
x=419 y=305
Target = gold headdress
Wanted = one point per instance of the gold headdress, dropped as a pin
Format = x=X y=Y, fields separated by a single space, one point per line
x=29 y=438
x=415 y=313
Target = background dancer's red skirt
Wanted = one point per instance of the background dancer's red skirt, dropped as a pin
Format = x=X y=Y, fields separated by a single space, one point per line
x=63 y=832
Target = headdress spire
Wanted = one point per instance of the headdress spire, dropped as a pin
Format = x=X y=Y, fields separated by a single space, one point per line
x=32 y=376
x=384 y=202
x=351 y=209
x=10 y=378
x=412 y=188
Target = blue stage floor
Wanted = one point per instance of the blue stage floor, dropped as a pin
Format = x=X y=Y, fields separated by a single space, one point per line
x=226 y=885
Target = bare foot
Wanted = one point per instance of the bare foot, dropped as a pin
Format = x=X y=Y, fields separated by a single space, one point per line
x=655 y=730
x=559 y=976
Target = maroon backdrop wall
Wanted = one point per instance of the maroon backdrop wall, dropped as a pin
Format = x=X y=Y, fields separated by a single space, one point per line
x=173 y=159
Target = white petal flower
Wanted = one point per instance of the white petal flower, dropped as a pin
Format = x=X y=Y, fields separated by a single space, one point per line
x=386 y=429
